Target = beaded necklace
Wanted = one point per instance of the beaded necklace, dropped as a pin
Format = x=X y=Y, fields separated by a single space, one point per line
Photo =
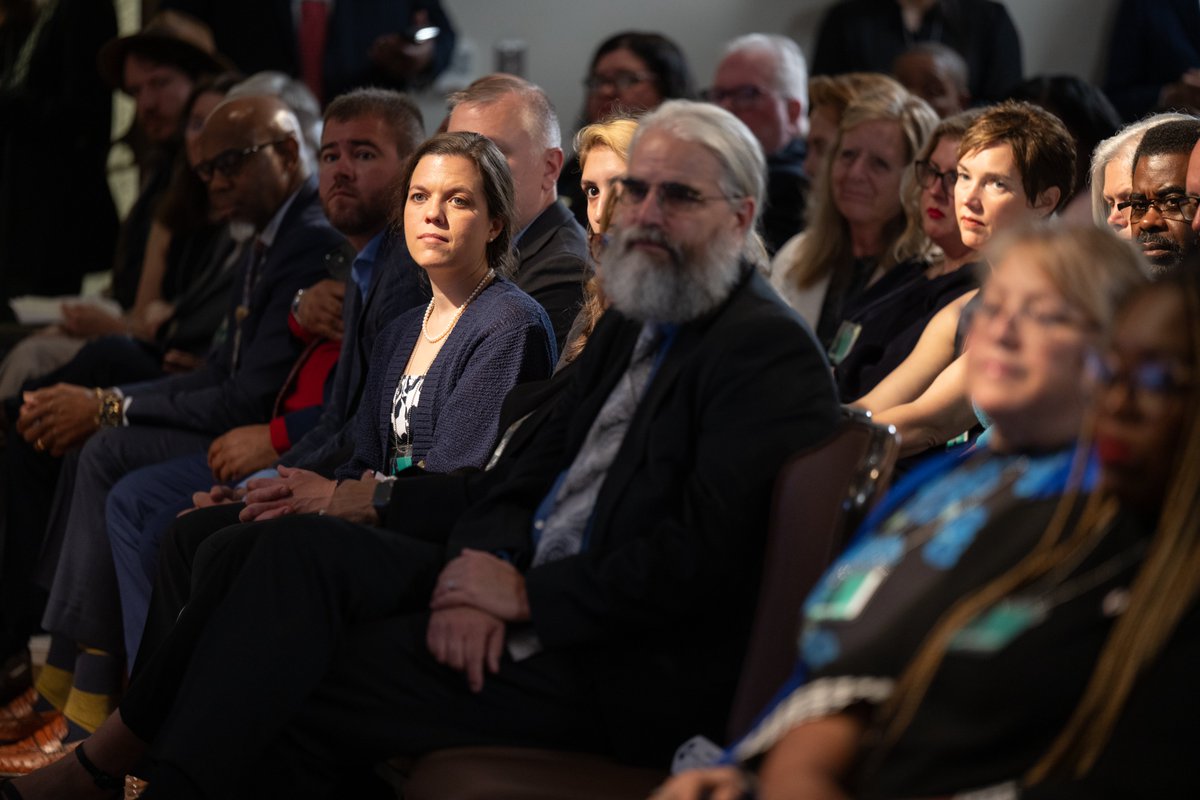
x=491 y=273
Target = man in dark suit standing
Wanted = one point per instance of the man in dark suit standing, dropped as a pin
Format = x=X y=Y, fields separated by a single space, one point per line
x=598 y=599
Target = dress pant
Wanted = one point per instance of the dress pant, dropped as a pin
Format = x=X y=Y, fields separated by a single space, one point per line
x=84 y=602
x=302 y=654
x=141 y=507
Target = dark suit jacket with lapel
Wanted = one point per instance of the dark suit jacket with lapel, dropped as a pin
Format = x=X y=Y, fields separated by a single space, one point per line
x=553 y=266
x=657 y=608
x=396 y=286
x=213 y=399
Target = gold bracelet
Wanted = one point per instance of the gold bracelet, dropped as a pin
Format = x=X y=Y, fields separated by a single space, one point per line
x=110 y=410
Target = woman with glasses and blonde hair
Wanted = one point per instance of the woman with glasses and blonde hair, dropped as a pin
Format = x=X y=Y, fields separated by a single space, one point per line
x=881 y=333
x=929 y=651
x=858 y=229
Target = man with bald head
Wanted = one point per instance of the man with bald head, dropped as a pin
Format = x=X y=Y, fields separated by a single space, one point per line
x=552 y=256
x=762 y=80
x=250 y=160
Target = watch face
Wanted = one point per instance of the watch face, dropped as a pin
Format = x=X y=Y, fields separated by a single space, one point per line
x=382 y=496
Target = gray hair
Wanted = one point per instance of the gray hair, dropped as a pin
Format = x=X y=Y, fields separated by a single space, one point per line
x=296 y=96
x=743 y=167
x=1120 y=147
x=541 y=120
x=791 y=70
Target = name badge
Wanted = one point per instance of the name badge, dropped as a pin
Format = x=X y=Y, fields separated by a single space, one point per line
x=994 y=629
x=845 y=600
x=843 y=341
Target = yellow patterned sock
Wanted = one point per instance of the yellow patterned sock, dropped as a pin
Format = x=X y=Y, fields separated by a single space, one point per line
x=54 y=685
x=87 y=709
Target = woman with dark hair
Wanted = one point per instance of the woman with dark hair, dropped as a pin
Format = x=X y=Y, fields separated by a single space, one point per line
x=630 y=73
x=438 y=374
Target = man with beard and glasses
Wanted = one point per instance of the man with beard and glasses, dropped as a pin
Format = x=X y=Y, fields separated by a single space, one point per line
x=597 y=600
x=1161 y=211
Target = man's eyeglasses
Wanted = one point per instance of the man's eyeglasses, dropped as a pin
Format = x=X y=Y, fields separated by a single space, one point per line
x=672 y=197
x=744 y=96
x=1177 y=207
x=618 y=80
x=1152 y=377
x=230 y=162
x=928 y=175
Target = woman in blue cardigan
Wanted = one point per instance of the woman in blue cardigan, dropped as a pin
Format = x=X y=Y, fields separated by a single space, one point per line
x=438 y=375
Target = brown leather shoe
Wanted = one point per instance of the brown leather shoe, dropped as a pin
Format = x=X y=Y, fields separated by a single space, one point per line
x=41 y=749
x=19 y=719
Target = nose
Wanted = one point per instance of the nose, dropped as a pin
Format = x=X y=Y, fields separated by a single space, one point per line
x=966 y=194
x=1155 y=223
x=435 y=214
x=648 y=212
x=1116 y=220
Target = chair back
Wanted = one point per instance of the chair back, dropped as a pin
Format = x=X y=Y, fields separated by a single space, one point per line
x=821 y=495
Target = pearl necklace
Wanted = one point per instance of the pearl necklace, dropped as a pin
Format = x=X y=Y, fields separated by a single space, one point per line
x=491 y=273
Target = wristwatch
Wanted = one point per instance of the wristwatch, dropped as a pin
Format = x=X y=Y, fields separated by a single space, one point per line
x=382 y=498
x=296 y=304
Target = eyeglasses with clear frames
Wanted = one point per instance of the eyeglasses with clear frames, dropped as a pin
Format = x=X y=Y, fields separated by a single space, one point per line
x=672 y=197
x=928 y=175
x=230 y=162
x=1177 y=207
x=1027 y=316
x=621 y=81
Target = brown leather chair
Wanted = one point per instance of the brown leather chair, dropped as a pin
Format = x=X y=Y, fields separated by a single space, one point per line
x=820 y=497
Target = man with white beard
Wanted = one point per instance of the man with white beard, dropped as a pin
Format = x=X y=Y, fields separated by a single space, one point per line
x=597 y=600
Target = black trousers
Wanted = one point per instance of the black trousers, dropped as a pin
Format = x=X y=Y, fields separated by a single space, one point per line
x=302 y=653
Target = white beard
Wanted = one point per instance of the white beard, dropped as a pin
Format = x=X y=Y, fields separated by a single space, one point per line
x=676 y=288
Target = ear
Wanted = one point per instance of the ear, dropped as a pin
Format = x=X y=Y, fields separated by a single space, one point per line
x=289 y=152
x=1047 y=201
x=551 y=167
x=744 y=213
x=795 y=111
x=494 y=228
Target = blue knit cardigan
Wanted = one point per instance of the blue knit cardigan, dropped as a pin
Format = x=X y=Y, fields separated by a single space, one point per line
x=502 y=339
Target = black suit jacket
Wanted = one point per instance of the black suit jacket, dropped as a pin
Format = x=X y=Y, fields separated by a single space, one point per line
x=657 y=608
x=214 y=398
x=1152 y=45
x=553 y=266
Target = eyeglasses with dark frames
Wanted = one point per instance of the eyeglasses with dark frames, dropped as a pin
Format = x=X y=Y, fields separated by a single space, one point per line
x=928 y=175
x=672 y=197
x=230 y=162
x=1176 y=207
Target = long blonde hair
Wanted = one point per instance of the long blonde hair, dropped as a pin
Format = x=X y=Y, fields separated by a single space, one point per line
x=1095 y=271
x=827 y=247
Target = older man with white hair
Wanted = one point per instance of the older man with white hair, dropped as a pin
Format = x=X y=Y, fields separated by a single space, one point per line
x=763 y=81
x=598 y=599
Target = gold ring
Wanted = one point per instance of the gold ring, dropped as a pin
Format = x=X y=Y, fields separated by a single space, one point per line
x=39 y=445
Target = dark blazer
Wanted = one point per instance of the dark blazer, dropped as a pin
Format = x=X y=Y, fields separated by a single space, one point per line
x=262 y=35
x=553 y=266
x=214 y=398
x=396 y=286
x=1152 y=45
x=657 y=607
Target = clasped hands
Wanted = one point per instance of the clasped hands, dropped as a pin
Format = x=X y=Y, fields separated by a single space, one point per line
x=58 y=417
x=476 y=595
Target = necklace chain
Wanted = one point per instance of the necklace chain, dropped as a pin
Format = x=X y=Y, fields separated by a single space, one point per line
x=491 y=273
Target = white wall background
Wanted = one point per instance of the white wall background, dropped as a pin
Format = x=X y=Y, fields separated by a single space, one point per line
x=1058 y=36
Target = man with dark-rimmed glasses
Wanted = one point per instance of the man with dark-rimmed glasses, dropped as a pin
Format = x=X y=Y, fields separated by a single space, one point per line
x=1160 y=209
